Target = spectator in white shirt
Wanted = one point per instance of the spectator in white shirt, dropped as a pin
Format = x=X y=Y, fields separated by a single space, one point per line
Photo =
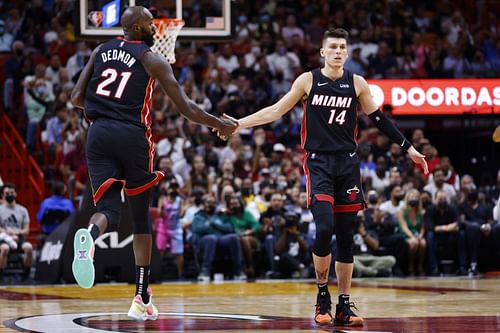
x=6 y=38
x=53 y=70
x=450 y=176
x=440 y=184
x=367 y=47
x=283 y=60
x=227 y=59
x=77 y=61
x=395 y=203
x=172 y=145
x=379 y=176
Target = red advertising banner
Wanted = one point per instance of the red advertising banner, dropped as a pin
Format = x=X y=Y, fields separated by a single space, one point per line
x=435 y=97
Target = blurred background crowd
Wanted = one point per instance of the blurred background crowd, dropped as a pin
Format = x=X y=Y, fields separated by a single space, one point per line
x=245 y=200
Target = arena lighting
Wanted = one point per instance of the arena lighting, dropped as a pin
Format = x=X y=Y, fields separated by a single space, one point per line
x=436 y=97
x=111 y=12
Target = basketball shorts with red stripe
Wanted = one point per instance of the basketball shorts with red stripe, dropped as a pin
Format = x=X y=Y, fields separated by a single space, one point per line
x=120 y=152
x=335 y=177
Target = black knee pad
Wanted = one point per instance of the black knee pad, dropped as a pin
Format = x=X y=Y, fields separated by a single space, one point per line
x=139 y=204
x=323 y=217
x=344 y=229
x=111 y=206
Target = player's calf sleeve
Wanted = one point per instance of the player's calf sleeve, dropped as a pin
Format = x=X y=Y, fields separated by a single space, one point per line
x=139 y=205
x=344 y=229
x=322 y=211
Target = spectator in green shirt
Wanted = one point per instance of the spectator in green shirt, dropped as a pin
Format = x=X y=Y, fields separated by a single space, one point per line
x=247 y=226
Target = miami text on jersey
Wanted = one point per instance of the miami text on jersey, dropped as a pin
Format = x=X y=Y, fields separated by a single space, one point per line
x=332 y=101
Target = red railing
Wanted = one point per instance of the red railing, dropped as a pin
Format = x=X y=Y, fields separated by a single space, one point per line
x=18 y=166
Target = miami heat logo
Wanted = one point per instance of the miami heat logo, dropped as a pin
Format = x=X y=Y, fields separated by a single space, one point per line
x=352 y=193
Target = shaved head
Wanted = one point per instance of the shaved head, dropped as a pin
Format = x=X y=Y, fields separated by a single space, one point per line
x=134 y=15
x=137 y=24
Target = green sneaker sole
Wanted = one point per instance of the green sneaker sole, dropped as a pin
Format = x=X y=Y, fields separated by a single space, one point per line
x=83 y=262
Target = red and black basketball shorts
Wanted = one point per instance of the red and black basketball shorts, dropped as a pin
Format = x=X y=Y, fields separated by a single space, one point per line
x=120 y=153
x=335 y=177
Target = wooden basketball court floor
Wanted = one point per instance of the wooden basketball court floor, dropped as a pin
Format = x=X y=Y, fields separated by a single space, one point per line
x=389 y=305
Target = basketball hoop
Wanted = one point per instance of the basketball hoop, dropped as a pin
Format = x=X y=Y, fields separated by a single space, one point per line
x=166 y=34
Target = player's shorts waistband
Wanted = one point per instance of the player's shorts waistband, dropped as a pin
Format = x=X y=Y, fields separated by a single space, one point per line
x=332 y=153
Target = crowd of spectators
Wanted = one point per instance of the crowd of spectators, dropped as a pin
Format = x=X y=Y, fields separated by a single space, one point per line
x=247 y=198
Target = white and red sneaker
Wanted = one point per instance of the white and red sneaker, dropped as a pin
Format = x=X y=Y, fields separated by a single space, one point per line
x=140 y=311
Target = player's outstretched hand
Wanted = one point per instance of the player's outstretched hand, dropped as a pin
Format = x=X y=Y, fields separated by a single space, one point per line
x=226 y=118
x=227 y=127
x=418 y=158
x=496 y=134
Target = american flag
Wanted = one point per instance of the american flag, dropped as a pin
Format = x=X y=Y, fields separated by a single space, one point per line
x=214 y=22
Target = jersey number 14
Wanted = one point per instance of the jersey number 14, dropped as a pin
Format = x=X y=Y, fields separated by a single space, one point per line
x=340 y=119
x=111 y=75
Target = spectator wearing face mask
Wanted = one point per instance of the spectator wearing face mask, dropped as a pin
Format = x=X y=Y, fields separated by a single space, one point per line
x=444 y=236
x=247 y=226
x=261 y=202
x=481 y=233
x=283 y=61
x=211 y=232
x=411 y=225
x=14 y=222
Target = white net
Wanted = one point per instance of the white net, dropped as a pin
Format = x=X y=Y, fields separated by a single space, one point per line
x=166 y=34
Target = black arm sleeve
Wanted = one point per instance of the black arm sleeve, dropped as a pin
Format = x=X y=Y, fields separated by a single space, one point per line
x=388 y=128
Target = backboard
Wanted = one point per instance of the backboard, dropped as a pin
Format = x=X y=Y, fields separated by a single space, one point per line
x=204 y=19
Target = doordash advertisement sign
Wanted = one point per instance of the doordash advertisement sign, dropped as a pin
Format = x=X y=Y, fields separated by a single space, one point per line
x=435 y=97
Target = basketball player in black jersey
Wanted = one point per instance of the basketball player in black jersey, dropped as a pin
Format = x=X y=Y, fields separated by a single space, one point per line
x=329 y=127
x=115 y=90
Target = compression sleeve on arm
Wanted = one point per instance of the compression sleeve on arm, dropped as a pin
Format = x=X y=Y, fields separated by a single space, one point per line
x=389 y=129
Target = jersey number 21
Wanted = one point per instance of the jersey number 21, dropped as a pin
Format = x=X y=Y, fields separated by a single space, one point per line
x=111 y=75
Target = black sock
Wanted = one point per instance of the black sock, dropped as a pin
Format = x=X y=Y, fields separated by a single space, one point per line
x=323 y=289
x=141 y=282
x=343 y=299
x=94 y=231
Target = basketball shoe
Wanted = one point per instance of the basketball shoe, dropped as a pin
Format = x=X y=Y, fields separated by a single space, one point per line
x=345 y=316
x=140 y=311
x=83 y=261
x=323 y=314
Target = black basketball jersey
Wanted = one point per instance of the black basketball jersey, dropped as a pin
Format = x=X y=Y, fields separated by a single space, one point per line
x=120 y=88
x=330 y=123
